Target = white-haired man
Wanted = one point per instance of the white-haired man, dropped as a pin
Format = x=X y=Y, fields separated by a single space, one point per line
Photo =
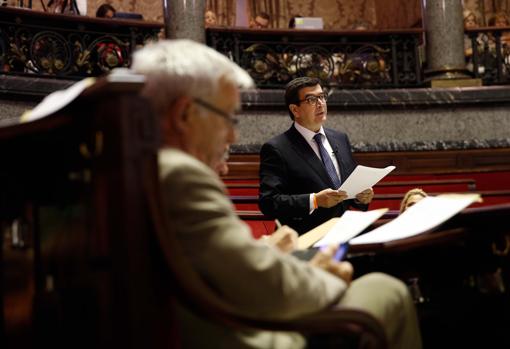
x=195 y=91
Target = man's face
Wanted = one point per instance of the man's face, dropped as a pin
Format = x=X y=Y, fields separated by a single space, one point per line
x=209 y=19
x=261 y=23
x=501 y=22
x=311 y=112
x=470 y=22
x=212 y=131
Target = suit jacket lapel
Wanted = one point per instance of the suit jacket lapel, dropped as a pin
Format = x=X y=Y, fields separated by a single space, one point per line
x=303 y=150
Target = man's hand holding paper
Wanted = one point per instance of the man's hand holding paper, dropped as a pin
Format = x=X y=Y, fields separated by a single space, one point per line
x=365 y=197
x=330 y=197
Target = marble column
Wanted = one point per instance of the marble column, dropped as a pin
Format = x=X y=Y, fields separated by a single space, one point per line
x=444 y=27
x=184 y=19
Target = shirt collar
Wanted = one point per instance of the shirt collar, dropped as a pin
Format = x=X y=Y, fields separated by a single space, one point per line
x=306 y=133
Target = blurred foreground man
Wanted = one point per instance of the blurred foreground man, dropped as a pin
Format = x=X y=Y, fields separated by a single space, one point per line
x=195 y=91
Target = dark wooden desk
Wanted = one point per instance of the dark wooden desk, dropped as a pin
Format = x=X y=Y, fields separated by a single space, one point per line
x=71 y=249
x=459 y=275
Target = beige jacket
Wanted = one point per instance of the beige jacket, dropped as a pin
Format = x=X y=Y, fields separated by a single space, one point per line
x=255 y=279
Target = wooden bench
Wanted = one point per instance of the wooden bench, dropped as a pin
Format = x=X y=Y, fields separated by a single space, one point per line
x=247 y=207
x=239 y=188
x=470 y=183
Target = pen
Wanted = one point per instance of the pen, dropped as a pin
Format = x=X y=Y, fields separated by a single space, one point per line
x=278 y=224
x=341 y=252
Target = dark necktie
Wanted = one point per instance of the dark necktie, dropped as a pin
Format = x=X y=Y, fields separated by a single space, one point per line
x=326 y=160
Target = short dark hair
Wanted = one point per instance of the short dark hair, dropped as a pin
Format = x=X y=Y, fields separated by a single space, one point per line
x=292 y=21
x=103 y=9
x=264 y=15
x=292 y=90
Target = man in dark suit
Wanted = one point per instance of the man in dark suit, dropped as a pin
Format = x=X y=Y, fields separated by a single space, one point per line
x=302 y=169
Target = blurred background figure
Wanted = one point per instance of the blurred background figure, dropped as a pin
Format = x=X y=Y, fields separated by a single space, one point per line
x=412 y=197
x=67 y=7
x=292 y=21
x=500 y=20
x=361 y=24
x=471 y=22
x=105 y=11
x=261 y=21
x=209 y=19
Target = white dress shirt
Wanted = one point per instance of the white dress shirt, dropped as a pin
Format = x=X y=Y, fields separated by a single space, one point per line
x=308 y=136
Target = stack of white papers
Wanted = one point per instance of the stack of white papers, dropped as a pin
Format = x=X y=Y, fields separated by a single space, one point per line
x=349 y=225
x=425 y=215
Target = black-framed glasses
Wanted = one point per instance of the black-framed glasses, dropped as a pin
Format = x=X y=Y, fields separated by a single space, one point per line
x=230 y=118
x=312 y=100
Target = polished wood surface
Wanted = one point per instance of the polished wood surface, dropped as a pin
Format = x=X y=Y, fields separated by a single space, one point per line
x=246 y=166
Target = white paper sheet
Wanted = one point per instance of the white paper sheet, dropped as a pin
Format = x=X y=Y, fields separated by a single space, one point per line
x=57 y=100
x=362 y=178
x=425 y=215
x=61 y=98
x=349 y=225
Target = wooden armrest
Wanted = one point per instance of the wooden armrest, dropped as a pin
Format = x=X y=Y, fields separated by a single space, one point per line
x=338 y=321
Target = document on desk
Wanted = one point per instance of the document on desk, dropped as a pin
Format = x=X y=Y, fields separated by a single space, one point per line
x=362 y=178
x=59 y=99
x=423 y=216
x=349 y=225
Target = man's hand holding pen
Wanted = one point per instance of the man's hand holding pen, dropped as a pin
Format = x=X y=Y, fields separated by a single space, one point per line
x=324 y=259
x=284 y=238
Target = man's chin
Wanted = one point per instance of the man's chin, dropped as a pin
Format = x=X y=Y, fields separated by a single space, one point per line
x=321 y=117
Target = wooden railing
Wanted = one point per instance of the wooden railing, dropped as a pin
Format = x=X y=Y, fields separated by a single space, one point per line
x=490 y=60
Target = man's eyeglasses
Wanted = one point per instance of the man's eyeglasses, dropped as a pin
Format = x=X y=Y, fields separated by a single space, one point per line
x=312 y=100
x=230 y=118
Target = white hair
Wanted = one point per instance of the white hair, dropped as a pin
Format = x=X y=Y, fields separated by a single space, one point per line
x=175 y=68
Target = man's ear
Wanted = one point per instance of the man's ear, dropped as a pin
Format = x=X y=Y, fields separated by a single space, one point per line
x=179 y=113
x=294 y=109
